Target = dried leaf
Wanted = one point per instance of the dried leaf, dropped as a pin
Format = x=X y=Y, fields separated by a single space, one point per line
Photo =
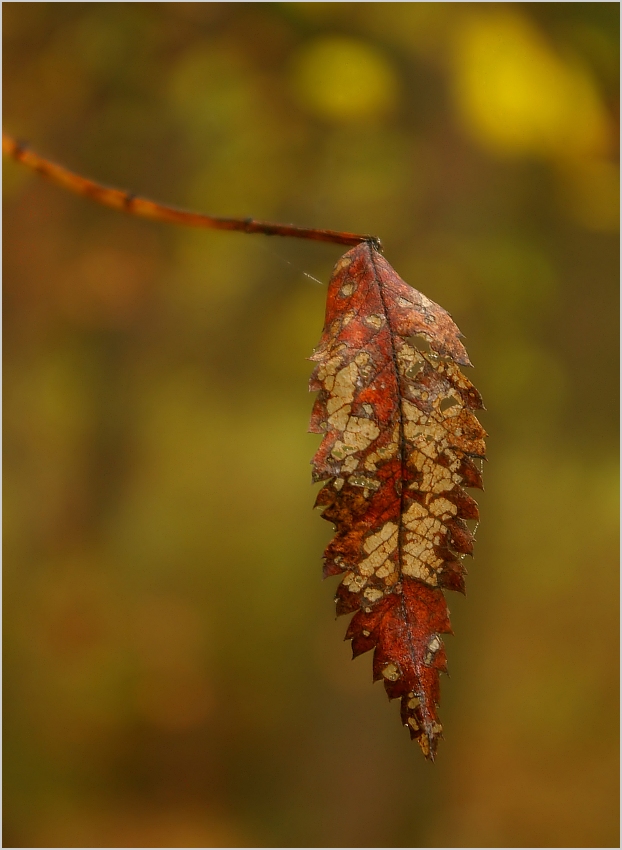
x=399 y=442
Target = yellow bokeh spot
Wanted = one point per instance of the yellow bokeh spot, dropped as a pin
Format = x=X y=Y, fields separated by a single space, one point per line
x=517 y=96
x=344 y=79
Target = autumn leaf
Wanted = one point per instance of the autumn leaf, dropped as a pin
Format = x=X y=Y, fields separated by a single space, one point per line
x=399 y=445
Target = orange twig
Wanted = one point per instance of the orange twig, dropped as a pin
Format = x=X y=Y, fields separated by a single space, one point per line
x=129 y=203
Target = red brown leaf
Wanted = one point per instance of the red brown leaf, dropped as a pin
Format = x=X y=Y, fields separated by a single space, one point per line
x=399 y=441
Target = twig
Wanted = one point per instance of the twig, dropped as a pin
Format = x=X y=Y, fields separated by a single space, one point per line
x=129 y=203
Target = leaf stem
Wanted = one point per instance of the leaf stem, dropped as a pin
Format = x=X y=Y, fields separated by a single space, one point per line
x=144 y=208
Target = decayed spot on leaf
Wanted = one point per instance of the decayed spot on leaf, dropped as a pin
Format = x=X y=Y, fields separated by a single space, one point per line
x=400 y=439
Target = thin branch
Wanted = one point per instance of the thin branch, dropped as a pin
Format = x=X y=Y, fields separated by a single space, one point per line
x=144 y=208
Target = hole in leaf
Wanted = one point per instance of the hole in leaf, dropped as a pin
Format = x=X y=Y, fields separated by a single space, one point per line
x=414 y=371
x=450 y=401
x=420 y=343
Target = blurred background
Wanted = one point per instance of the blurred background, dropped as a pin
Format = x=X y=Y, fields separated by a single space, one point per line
x=174 y=673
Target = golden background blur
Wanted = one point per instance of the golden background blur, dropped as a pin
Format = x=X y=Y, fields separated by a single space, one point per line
x=174 y=674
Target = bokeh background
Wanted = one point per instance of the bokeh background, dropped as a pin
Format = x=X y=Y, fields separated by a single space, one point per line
x=174 y=674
